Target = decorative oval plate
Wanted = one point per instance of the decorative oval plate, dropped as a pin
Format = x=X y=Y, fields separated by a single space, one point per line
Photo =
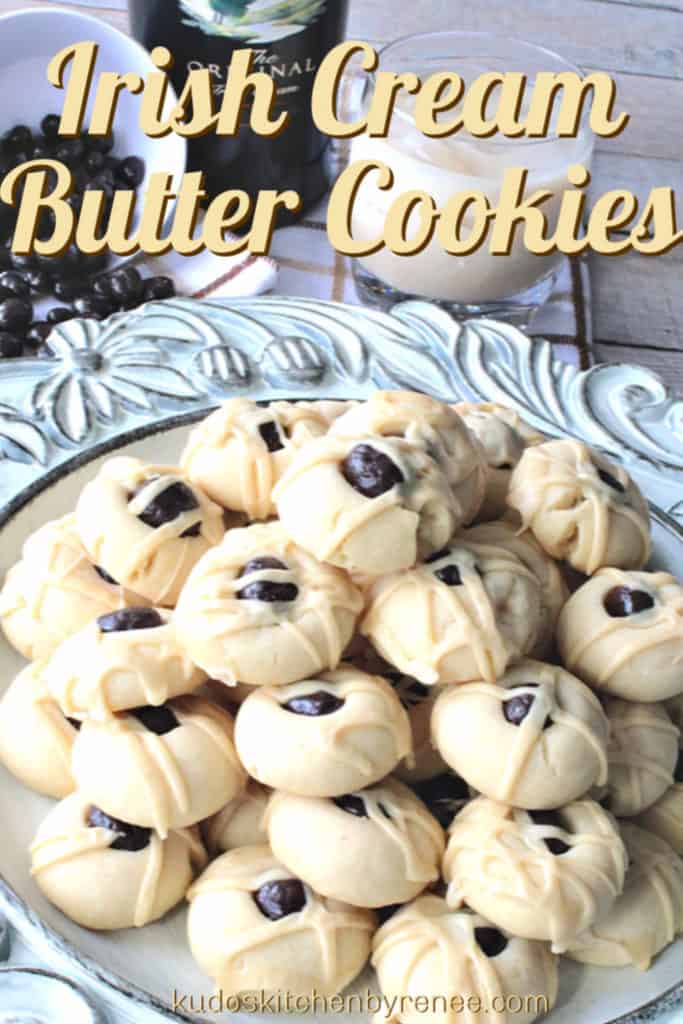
x=136 y=383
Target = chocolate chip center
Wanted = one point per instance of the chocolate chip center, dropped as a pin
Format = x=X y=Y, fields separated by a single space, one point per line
x=490 y=941
x=74 y=723
x=129 y=837
x=192 y=531
x=611 y=481
x=269 y=591
x=271 y=436
x=443 y=794
x=556 y=846
x=620 y=602
x=278 y=899
x=159 y=720
x=450 y=575
x=105 y=575
x=168 y=505
x=352 y=805
x=315 y=704
x=130 y=618
x=517 y=708
x=370 y=472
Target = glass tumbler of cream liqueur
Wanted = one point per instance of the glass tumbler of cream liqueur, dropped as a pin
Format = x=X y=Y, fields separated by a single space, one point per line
x=508 y=287
x=289 y=39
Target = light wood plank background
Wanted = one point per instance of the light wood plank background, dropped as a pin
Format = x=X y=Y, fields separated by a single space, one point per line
x=638 y=300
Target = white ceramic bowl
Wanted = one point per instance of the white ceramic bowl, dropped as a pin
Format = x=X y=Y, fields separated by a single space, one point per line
x=30 y=38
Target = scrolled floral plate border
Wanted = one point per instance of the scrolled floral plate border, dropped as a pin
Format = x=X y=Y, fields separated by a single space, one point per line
x=184 y=355
x=142 y=373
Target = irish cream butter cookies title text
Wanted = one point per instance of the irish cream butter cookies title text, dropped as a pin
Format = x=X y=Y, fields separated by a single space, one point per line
x=442 y=106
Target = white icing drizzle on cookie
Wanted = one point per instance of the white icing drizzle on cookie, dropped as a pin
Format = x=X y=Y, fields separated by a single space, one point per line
x=151 y=487
x=475 y=628
x=663 y=871
x=409 y=819
x=436 y=428
x=465 y=968
x=653 y=887
x=325 y=920
x=406 y=820
x=144 y=907
x=503 y=436
x=468 y=610
x=501 y=441
x=499 y=847
x=76 y=840
x=56 y=568
x=62 y=848
x=632 y=768
x=637 y=633
x=63 y=732
x=191 y=836
x=239 y=422
x=665 y=817
x=82 y=841
x=524 y=546
x=334 y=733
x=526 y=736
x=160 y=771
x=318 y=592
x=160 y=774
x=157 y=558
x=135 y=556
x=62 y=563
x=211 y=607
x=232 y=434
x=424 y=490
x=559 y=495
x=154 y=672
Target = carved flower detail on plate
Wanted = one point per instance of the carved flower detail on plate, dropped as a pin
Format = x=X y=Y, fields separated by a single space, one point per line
x=676 y=512
x=20 y=441
x=96 y=374
x=292 y=360
x=182 y=354
x=223 y=366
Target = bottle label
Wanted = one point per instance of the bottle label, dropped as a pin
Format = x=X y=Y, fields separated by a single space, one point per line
x=288 y=39
x=252 y=21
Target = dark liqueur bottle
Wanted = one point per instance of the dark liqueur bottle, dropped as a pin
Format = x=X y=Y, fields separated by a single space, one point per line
x=289 y=39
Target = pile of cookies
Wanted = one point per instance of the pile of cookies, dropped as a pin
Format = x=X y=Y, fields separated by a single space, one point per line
x=381 y=680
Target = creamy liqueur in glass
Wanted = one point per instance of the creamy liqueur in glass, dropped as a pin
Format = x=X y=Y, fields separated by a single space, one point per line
x=479 y=282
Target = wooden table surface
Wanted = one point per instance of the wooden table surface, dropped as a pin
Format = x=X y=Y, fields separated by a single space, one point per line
x=638 y=300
